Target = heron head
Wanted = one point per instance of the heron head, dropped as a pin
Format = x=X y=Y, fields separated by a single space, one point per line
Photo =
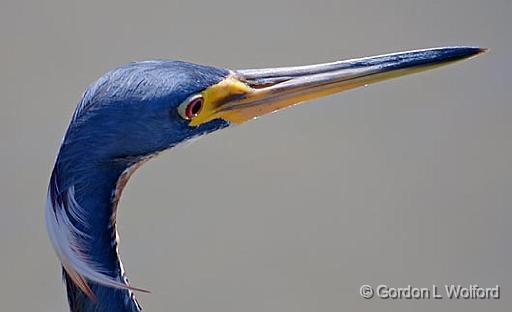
x=146 y=107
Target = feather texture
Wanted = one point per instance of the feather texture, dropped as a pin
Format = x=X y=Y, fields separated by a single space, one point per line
x=123 y=119
x=62 y=213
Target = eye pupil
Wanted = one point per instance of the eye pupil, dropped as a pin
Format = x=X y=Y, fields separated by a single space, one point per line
x=194 y=108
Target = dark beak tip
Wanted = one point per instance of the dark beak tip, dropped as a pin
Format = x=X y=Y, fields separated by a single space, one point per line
x=483 y=50
x=478 y=51
x=474 y=51
x=458 y=53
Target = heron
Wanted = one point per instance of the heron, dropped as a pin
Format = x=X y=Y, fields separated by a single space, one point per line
x=134 y=112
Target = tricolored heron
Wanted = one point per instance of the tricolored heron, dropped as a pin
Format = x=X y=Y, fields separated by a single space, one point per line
x=136 y=111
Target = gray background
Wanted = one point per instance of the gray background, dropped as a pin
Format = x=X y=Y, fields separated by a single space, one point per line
x=404 y=182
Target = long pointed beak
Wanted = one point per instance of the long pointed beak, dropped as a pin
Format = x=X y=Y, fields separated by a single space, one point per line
x=267 y=90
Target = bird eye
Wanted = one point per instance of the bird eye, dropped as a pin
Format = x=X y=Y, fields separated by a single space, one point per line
x=192 y=107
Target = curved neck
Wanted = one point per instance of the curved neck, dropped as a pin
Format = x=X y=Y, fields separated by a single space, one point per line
x=95 y=189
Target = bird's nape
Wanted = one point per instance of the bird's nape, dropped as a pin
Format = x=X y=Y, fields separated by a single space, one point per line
x=134 y=112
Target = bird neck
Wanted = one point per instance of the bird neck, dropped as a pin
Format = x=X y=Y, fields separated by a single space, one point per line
x=96 y=187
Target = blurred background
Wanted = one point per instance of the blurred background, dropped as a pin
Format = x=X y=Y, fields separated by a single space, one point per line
x=404 y=182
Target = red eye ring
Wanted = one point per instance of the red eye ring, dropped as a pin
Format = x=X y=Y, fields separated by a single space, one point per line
x=194 y=108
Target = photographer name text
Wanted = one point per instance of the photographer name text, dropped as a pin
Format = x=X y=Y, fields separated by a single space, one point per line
x=454 y=291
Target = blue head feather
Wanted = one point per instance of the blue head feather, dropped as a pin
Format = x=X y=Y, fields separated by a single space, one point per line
x=125 y=116
x=132 y=110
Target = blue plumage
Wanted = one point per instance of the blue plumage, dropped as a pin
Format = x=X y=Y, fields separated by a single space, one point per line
x=140 y=100
x=125 y=116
